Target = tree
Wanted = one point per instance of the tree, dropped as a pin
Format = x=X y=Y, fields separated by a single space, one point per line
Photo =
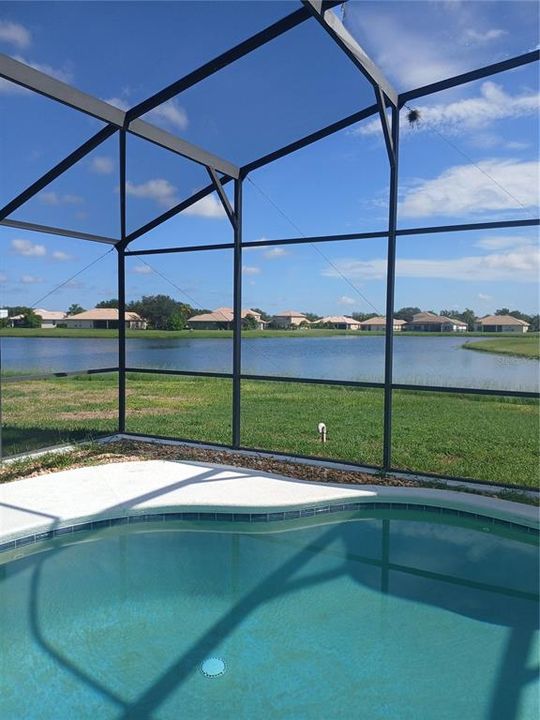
x=176 y=321
x=360 y=316
x=250 y=323
x=469 y=316
x=264 y=316
x=74 y=309
x=502 y=311
x=162 y=312
x=17 y=310
x=31 y=320
x=520 y=316
x=406 y=313
x=535 y=323
x=112 y=303
x=311 y=316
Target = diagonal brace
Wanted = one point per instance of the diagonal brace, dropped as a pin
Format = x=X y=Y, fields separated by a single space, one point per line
x=223 y=197
x=387 y=132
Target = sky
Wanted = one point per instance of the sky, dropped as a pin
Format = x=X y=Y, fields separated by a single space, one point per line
x=472 y=157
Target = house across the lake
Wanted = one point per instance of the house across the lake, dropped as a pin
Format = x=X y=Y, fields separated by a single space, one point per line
x=289 y=319
x=49 y=318
x=103 y=318
x=501 y=323
x=429 y=322
x=223 y=319
x=378 y=324
x=339 y=322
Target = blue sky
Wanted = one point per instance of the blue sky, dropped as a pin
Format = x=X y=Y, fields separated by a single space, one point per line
x=473 y=156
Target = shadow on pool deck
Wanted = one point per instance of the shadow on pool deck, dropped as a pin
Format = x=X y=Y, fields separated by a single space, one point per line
x=513 y=673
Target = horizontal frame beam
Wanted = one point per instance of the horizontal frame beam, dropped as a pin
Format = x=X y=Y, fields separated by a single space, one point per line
x=184 y=248
x=465 y=227
x=330 y=462
x=61 y=374
x=471 y=76
x=344 y=383
x=43 y=84
x=49 y=230
x=340 y=238
x=187 y=373
x=166 y=140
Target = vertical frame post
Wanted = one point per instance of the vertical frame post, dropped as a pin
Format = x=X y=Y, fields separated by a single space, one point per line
x=237 y=312
x=1 y=398
x=122 y=290
x=390 y=287
x=121 y=340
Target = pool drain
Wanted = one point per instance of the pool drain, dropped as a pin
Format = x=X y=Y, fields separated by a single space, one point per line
x=213 y=667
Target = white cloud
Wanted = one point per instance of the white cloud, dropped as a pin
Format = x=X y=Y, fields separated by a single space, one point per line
x=484 y=297
x=500 y=242
x=61 y=256
x=492 y=185
x=102 y=165
x=480 y=38
x=27 y=248
x=165 y=194
x=517 y=145
x=172 y=113
x=345 y=300
x=54 y=198
x=250 y=270
x=31 y=280
x=408 y=54
x=458 y=116
x=143 y=270
x=15 y=34
x=276 y=252
x=159 y=189
x=209 y=207
x=521 y=264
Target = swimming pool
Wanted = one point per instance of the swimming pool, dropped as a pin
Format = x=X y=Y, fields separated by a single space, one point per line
x=372 y=613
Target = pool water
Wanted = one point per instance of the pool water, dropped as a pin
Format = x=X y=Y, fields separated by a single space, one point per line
x=393 y=616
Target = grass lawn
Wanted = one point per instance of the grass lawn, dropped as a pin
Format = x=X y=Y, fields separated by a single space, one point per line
x=522 y=346
x=486 y=438
x=205 y=334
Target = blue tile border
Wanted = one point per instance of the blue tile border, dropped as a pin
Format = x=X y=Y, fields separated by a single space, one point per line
x=260 y=517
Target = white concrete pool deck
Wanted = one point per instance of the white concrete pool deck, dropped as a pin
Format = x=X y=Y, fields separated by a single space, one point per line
x=155 y=486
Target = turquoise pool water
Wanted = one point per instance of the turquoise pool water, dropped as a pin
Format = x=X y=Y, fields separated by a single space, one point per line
x=394 y=616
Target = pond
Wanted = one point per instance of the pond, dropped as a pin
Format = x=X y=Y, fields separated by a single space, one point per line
x=426 y=360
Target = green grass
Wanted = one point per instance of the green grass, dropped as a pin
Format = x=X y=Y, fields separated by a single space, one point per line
x=522 y=346
x=205 y=334
x=482 y=437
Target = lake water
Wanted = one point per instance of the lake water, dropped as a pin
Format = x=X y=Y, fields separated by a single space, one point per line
x=427 y=360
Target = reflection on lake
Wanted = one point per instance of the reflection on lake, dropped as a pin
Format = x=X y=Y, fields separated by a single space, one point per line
x=423 y=360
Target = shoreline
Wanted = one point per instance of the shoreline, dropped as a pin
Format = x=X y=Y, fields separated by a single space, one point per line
x=227 y=334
